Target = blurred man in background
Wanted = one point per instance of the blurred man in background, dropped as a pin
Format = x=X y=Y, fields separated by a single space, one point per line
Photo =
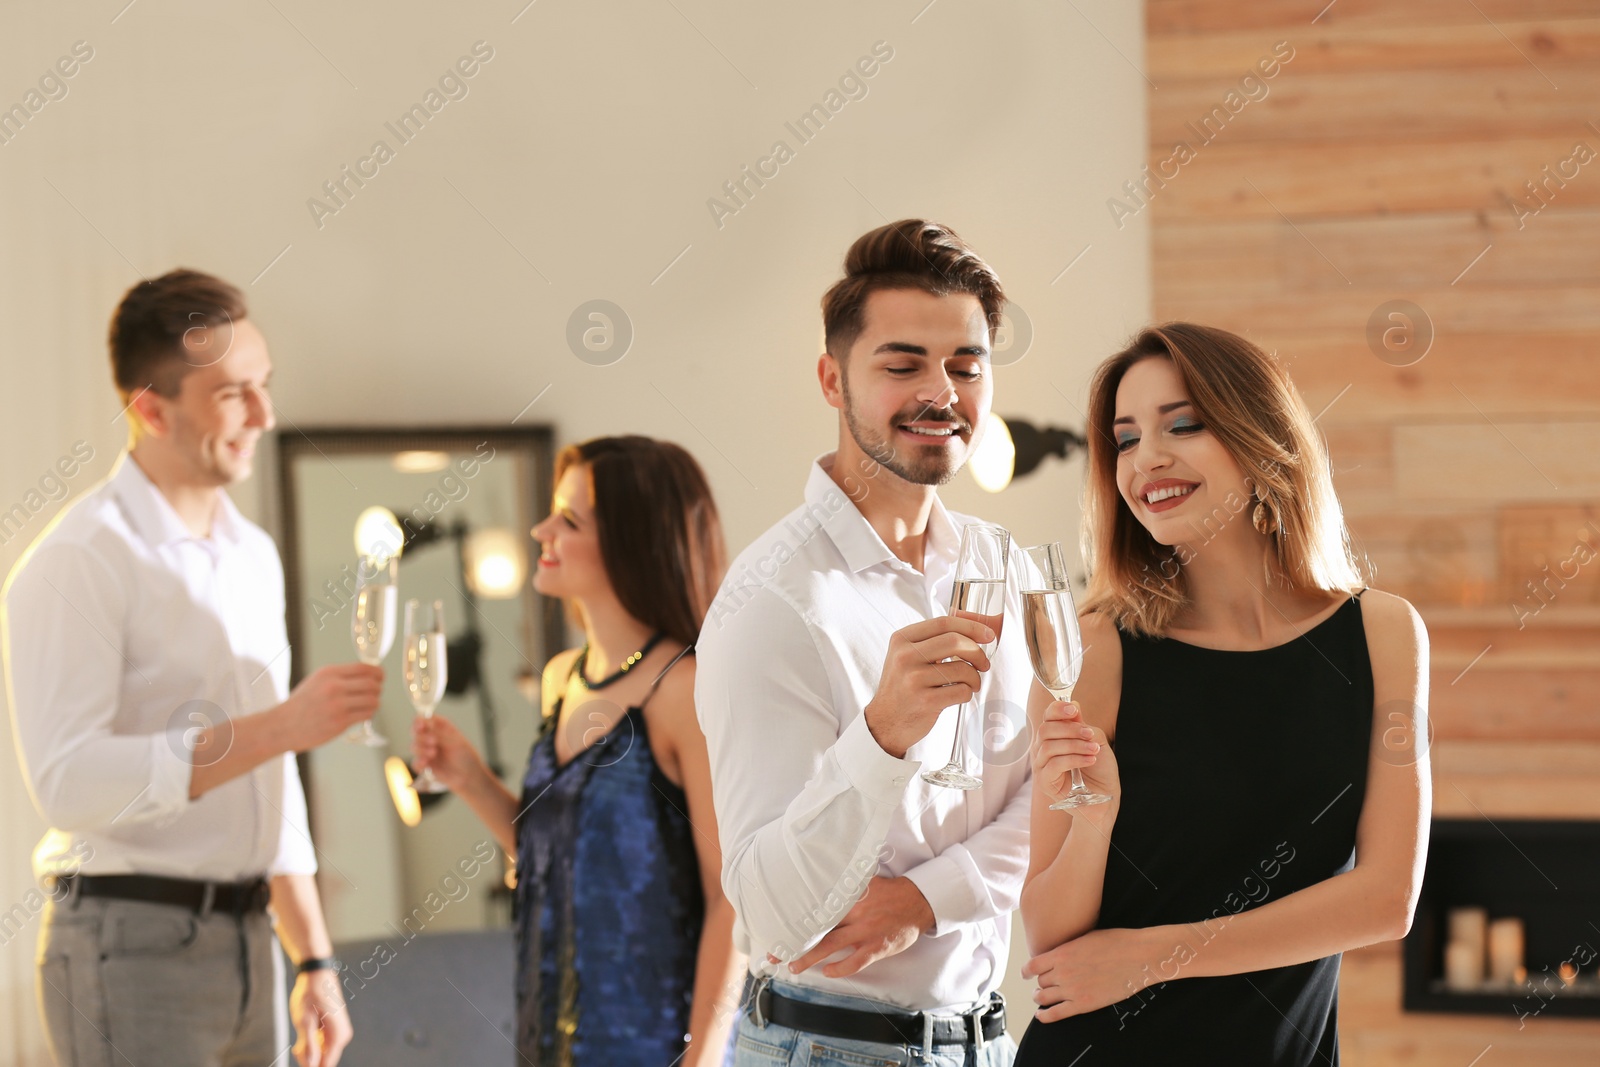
x=148 y=667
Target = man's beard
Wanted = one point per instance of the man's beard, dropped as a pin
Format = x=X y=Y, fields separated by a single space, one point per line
x=916 y=468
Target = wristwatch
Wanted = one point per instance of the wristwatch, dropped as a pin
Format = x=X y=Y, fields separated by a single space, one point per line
x=319 y=963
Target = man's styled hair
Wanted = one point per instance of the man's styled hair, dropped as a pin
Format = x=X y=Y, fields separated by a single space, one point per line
x=148 y=328
x=909 y=254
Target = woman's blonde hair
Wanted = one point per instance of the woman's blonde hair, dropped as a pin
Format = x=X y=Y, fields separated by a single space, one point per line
x=1246 y=400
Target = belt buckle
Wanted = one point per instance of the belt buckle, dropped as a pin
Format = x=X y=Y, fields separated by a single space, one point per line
x=208 y=897
x=976 y=1018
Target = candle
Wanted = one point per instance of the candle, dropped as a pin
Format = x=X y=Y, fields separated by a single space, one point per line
x=1463 y=966
x=1469 y=927
x=1505 y=949
x=1468 y=924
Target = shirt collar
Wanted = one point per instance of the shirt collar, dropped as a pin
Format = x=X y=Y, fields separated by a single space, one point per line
x=854 y=536
x=153 y=515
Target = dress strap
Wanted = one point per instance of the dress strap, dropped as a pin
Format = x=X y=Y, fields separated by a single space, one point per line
x=657 y=680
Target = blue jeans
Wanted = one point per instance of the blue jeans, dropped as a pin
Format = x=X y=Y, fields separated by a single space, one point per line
x=779 y=1046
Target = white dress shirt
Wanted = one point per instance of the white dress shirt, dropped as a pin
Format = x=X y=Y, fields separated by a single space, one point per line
x=124 y=635
x=808 y=805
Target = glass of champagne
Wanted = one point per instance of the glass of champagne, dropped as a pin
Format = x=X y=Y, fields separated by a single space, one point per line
x=979 y=593
x=1050 y=627
x=425 y=670
x=372 y=624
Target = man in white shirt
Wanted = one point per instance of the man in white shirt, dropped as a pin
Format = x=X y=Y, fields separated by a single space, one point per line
x=875 y=906
x=148 y=666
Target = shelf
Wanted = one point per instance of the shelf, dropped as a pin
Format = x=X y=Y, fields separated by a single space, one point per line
x=1547 y=873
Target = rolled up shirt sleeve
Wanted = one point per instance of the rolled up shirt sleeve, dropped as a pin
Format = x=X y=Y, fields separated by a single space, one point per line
x=63 y=623
x=803 y=807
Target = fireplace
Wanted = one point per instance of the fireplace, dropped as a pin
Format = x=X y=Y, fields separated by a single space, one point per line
x=1545 y=873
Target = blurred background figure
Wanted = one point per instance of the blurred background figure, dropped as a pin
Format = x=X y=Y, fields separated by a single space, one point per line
x=147 y=663
x=624 y=938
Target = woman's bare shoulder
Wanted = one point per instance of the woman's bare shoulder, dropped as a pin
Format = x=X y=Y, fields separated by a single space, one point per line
x=1394 y=628
x=1391 y=614
x=554 y=679
x=677 y=684
x=1100 y=630
x=559 y=666
x=670 y=713
x=562 y=661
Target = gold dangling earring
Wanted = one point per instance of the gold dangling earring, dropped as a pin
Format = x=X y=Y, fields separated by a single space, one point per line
x=1263 y=518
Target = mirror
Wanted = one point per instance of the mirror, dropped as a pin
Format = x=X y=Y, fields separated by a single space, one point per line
x=463 y=501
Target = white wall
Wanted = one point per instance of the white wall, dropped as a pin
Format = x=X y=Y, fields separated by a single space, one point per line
x=577 y=167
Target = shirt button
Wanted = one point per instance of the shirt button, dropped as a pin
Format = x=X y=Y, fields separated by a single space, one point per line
x=899 y=779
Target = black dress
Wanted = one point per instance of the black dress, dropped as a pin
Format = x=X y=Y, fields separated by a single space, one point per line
x=609 y=904
x=1243 y=775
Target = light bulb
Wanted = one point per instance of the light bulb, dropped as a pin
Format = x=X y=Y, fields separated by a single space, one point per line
x=406 y=803
x=995 y=457
x=378 y=533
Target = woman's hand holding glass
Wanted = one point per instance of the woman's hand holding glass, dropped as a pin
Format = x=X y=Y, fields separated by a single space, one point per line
x=1055 y=645
x=437 y=744
x=1065 y=743
x=426 y=669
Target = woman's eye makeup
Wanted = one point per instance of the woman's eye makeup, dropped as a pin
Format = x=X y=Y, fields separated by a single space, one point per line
x=1183 y=425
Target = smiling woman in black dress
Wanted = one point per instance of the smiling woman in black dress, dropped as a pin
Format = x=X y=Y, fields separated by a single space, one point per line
x=1257 y=713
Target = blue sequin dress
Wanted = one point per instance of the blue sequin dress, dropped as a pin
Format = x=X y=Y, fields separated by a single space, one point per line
x=609 y=904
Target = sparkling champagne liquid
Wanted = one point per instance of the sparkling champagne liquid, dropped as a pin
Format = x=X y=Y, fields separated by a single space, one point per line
x=982 y=599
x=372 y=621
x=1051 y=632
x=425 y=670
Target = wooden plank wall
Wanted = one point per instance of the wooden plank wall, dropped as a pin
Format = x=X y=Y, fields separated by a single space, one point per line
x=1444 y=153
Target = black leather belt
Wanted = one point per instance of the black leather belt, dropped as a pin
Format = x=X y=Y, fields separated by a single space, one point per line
x=888 y=1028
x=237 y=898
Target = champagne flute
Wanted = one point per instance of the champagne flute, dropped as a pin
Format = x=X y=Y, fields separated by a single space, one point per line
x=979 y=593
x=425 y=670
x=372 y=624
x=1050 y=627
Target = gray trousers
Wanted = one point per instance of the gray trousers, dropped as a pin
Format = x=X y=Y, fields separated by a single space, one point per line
x=128 y=984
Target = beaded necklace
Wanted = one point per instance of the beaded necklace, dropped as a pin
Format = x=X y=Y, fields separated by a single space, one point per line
x=616 y=675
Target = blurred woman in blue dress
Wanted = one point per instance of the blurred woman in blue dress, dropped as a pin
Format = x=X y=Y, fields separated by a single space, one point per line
x=625 y=952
